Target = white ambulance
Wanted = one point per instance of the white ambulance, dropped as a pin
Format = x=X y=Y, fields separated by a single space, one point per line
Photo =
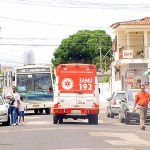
x=76 y=93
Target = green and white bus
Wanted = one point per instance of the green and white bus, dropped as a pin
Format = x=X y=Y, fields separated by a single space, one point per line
x=33 y=82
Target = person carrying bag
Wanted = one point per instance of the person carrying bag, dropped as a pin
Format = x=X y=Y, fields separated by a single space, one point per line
x=11 y=100
x=13 y=97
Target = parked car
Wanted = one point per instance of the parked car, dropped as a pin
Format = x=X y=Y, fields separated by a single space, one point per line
x=4 y=114
x=114 y=104
x=125 y=112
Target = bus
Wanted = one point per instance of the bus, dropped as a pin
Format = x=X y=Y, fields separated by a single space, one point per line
x=34 y=83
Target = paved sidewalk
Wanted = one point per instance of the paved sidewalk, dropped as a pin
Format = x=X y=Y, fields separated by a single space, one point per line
x=102 y=106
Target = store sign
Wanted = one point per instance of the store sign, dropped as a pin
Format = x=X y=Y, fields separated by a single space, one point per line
x=130 y=73
x=130 y=77
x=130 y=80
x=127 y=53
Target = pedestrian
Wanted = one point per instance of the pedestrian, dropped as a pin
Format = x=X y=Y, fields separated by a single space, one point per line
x=21 y=108
x=14 y=98
x=142 y=98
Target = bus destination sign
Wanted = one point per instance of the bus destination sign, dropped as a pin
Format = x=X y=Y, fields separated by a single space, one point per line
x=33 y=70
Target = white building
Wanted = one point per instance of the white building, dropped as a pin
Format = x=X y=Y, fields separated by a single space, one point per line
x=131 y=54
x=28 y=58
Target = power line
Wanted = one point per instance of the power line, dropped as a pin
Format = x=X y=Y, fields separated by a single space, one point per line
x=84 y=4
x=16 y=44
x=100 y=6
x=32 y=38
x=44 y=45
x=47 y=23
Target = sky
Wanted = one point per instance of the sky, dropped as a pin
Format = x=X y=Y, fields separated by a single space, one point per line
x=41 y=25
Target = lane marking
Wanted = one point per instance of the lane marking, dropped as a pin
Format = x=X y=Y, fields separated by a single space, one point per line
x=97 y=149
x=99 y=121
x=38 y=123
x=124 y=139
x=32 y=117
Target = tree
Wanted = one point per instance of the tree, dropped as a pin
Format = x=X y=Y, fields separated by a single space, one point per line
x=82 y=47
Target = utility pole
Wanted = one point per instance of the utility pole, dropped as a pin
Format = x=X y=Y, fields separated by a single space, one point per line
x=100 y=52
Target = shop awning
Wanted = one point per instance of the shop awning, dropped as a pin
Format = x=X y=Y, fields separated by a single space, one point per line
x=147 y=72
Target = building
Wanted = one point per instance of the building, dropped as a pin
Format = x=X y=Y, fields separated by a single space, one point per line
x=0 y=33
x=131 y=51
x=28 y=58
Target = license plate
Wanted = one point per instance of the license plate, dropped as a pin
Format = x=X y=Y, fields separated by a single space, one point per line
x=35 y=105
x=76 y=111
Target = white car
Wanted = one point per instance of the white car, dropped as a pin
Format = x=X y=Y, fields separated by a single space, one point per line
x=4 y=114
x=114 y=103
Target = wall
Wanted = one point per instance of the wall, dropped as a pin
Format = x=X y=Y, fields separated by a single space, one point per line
x=105 y=91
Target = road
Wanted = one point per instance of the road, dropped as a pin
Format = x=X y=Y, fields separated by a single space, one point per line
x=40 y=133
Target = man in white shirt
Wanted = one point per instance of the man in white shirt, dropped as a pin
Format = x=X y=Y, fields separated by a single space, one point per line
x=14 y=97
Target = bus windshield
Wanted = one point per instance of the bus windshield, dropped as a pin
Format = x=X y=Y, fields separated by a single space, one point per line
x=38 y=82
x=34 y=86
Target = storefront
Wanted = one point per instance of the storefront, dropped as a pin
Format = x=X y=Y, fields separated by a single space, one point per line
x=127 y=76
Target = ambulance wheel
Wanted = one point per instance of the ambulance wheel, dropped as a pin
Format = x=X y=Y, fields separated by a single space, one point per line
x=93 y=119
x=55 y=119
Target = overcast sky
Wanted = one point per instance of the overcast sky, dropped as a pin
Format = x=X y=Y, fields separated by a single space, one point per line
x=40 y=25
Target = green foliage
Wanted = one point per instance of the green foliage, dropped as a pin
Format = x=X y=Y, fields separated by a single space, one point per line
x=106 y=78
x=82 y=47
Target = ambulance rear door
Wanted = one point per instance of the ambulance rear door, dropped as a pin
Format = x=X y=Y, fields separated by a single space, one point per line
x=86 y=87
x=67 y=88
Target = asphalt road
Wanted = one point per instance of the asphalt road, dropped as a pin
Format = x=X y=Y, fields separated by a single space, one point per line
x=39 y=133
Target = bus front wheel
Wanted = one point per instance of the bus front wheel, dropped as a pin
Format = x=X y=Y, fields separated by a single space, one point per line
x=36 y=111
x=40 y=111
x=47 y=111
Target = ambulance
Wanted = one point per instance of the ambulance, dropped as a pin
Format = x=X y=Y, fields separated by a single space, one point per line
x=76 y=93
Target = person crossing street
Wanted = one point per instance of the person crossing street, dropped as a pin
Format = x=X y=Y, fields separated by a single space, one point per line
x=142 y=98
